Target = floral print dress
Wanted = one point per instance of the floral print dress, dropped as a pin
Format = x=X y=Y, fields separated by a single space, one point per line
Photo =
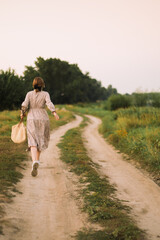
x=38 y=127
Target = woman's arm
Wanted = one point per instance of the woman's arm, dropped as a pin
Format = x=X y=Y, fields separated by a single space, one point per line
x=24 y=106
x=51 y=106
x=56 y=115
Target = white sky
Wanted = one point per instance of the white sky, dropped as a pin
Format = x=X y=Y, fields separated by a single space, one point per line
x=116 y=41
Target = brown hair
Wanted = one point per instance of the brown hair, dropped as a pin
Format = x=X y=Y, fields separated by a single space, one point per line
x=38 y=83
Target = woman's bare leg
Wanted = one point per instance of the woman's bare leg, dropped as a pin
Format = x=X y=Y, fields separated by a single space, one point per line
x=34 y=153
x=38 y=154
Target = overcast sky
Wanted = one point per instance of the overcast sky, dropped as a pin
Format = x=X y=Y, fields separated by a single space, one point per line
x=116 y=41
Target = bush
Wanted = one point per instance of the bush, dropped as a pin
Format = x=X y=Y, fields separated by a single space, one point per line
x=155 y=102
x=140 y=99
x=118 y=101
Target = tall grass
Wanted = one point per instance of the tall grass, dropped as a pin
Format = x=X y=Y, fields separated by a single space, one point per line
x=134 y=131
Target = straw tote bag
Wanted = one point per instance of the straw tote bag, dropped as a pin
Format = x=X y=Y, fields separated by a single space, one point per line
x=18 y=134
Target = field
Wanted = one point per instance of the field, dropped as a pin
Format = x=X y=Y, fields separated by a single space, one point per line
x=134 y=131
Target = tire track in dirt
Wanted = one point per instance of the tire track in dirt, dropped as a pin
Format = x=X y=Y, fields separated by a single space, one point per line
x=47 y=209
x=140 y=192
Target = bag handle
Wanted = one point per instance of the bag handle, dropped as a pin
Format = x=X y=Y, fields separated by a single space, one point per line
x=21 y=120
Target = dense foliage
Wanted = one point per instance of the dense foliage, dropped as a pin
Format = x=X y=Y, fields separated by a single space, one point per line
x=11 y=90
x=65 y=82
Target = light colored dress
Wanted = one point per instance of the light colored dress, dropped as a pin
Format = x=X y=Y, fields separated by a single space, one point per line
x=38 y=127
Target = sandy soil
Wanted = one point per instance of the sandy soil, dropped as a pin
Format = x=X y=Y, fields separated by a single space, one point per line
x=140 y=192
x=47 y=209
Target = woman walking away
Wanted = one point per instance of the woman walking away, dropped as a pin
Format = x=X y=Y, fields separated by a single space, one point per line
x=38 y=128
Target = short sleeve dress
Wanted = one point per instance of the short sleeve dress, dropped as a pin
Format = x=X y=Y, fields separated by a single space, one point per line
x=38 y=127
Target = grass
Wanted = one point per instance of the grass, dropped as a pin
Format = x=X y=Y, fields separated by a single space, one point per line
x=65 y=117
x=13 y=156
x=99 y=196
x=134 y=131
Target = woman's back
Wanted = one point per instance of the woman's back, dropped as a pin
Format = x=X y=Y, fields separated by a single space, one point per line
x=36 y=102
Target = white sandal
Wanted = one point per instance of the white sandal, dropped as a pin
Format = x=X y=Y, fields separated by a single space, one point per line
x=35 y=166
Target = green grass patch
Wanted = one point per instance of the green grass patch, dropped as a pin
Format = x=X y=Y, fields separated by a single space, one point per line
x=11 y=156
x=99 y=196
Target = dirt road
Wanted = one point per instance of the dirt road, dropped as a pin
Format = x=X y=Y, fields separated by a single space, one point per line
x=142 y=194
x=46 y=210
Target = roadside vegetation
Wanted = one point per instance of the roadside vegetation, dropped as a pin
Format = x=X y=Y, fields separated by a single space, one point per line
x=98 y=196
x=135 y=131
x=13 y=156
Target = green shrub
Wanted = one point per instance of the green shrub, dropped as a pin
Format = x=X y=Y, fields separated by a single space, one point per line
x=155 y=102
x=140 y=99
x=118 y=101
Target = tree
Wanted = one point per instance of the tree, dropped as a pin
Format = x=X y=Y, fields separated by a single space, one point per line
x=140 y=99
x=29 y=74
x=111 y=91
x=11 y=90
x=65 y=82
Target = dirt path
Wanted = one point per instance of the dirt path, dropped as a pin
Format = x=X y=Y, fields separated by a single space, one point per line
x=142 y=194
x=46 y=210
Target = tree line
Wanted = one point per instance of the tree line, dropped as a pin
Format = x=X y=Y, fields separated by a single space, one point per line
x=65 y=82
x=117 y=101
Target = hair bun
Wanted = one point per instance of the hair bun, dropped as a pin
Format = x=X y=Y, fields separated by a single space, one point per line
x=37 y=87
